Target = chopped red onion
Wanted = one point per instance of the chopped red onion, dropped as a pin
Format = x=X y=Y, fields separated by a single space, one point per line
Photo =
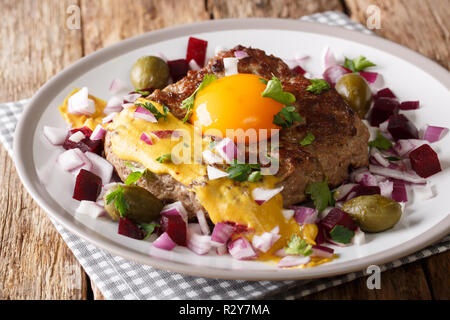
x=200 y=244
x=116 y=86
x=146 y=138
x=399 y=193
x=384 y=127
x=109 y=117
x=241 y=249
x=100 y=166
x=334 y=73
x=365 y=179
x=222 y=250
x=144 y=114
x=240 y=54
x=162 y=134
x=193 y=65
x=343 y=191
x=231 y=66
x=69 y=160
x=261 y=195
x=404 y=146
x=329 y=60
x=98 y=133
x=164 y=242
x=91 y=209
x=202 y=222
x=293 y=261
x=386 y=188
x=214 y=173
x=226 y=149
x=114 y=105
x=288 y=213
x=221 y=233
x=211 y=158
x=322 y=252
x=374 y=152
x=409 y=105
x=433 y=133
x=80 y=104
x=162 y=56
x=305 y=215
x=175 y=208
x=131 y=98
x=409 y=176
x=359 y=238
x=128 y=105
x=56 y=136
x=265 y=241
x=77 y=137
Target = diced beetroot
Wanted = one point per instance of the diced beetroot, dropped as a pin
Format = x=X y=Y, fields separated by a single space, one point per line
x=400 y=127
x=385 y=93
x=382 y=109
x=175 y=227
x=321 y=234
x=409 y=105
x=84 y=145
x=425 y=161
x=178 y=69
x=338 y=217
x=87 y=186
x=130 y=229
x=399 y=193
x=196 y=50
x=298 y=70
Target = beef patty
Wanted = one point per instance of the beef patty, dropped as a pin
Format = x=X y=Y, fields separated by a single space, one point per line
x=341 y=138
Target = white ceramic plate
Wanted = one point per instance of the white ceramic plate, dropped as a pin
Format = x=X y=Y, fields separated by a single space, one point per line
x=410 y=75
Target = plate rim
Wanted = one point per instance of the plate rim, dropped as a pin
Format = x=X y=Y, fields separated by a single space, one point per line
x=23 y=140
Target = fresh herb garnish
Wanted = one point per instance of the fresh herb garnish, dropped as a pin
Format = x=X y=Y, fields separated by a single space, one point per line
x=254 y=176
x=148 y=228
x=263 y=81
x=308 y=139
x=317 y=86
x=286 y=117
x=135 y=175
x=358 y=64
x=144 y=93
x=242 y=171
x=188 y=103
x=341 y=234
x=119 y=201
x=321 y=195
x=275 y=91
x=380 y=142
x=298 y=246
x=164 y=158
x=151 y=107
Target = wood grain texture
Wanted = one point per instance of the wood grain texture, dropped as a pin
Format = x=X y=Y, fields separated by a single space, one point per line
x=220 y=9
x=420 y=25
x=108 y=21
x=437 y=272
x=35 y=263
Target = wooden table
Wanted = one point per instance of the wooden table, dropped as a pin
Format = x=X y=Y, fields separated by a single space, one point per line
x=35 y=42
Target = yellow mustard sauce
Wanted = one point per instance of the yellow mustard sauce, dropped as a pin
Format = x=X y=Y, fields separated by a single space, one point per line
x=224 y=199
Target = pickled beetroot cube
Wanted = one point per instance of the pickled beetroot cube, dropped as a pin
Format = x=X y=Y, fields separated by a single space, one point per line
x=385 y=93
x=176 y=228
x=321 y=234
x=338 y=217
x=196 y=50
x=400 y=127
x=382 y=109
x=130 y=229
x=95 y=146
x=298 y=70
x=87 y=186
x=425 y=161
x=178 y=69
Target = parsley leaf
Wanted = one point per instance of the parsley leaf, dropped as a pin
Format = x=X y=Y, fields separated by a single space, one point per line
x=275 y=91
x=308 y=139
x=286 y=117
x=148 y=228
x=317 y=86
x=144 y=93
x=188 y=103
x=254 y=176
x=341 y=234
x=135 y=175
x=151 y=107
x=393 y=158
x=380 y=142
x=119 y=201
x=164 y=158
x=298 y=246
x=358 y=64
x=321 y=195
x=243 y=171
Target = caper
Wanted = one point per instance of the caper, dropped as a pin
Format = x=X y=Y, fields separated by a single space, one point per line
x=149 y=72
x=355 y=90
x=142 y=206
x=373 y=213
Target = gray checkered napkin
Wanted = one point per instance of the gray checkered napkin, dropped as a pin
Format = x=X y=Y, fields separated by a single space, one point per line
x=119 y=278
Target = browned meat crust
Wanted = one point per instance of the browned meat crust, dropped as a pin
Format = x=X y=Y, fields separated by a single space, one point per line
x=341 y=137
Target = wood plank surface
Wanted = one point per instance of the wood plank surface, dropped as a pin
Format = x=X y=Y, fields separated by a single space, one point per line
x=34 y=261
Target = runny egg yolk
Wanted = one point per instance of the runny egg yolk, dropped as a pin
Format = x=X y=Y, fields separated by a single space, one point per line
x=235 y=102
